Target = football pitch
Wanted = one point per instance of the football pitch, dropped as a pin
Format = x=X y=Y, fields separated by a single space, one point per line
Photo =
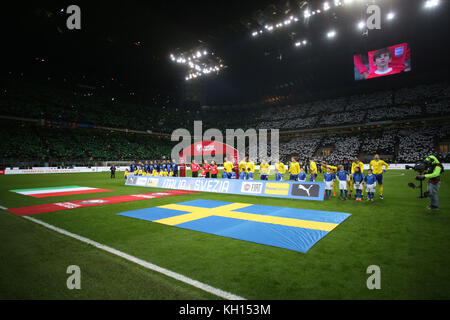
x=409 y=243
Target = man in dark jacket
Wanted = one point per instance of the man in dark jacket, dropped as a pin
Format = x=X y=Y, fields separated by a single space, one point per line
x=113 y=171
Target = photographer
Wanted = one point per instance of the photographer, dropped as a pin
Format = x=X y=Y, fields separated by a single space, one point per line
x=435 y=169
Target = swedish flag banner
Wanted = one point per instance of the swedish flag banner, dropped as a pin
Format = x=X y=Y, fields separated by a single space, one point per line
x=261 y=188
x=289 y=228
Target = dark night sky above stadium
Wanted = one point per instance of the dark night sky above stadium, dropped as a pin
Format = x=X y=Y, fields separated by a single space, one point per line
x=131 y=41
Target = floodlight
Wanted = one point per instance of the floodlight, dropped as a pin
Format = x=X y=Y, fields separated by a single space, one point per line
x=361 y=25
x=331 y=34
x=390 y=16
x=431 y=3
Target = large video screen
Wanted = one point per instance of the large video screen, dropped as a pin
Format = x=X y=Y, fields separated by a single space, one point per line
x=382 y=62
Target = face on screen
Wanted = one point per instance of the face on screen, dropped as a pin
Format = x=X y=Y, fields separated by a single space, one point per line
x=382 y=62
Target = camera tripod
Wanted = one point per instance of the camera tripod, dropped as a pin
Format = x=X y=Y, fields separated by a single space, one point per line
x=420 y=186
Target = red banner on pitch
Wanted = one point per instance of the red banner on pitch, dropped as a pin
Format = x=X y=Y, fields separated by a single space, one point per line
x=42 y=208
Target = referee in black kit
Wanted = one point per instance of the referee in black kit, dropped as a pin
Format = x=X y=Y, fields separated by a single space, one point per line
x=113 y=171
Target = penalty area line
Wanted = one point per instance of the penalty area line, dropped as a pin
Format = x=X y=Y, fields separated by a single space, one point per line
x=143 y=263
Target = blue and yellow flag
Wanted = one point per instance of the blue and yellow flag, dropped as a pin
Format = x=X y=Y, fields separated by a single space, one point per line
x=289 y=228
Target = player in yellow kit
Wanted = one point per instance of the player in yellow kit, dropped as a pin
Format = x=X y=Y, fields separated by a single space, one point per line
x=242 y=169
x=228 y=167
x=294 y=169
x=312 y=170
x=250 y=165
x=355 y=163
x=264 y=170
x=377 y=167
x=280 y=170
x=324 y=166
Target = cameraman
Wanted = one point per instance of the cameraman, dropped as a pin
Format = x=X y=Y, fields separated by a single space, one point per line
x=435 y=169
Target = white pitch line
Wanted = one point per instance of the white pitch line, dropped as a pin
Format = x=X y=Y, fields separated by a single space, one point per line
x=145 y=264
x=3 y=208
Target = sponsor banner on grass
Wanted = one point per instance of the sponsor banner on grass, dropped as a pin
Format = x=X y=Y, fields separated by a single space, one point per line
x=57 y=191
x=286 y=189
x=42 y=208
x=2 y=172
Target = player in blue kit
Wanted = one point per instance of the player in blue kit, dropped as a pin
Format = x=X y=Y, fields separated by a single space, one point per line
x=174 y=168
x=328 y=177
x=343 y=177
x=371 y=183
x=150 y=167
x=302 y=175
x=358 y=179
x=133 y=167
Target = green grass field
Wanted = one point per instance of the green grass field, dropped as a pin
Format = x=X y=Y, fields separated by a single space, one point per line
x=409 y=243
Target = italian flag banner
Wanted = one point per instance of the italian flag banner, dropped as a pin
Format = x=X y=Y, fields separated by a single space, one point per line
x=57 y=191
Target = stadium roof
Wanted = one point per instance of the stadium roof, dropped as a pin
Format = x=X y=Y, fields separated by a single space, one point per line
x=131 y=41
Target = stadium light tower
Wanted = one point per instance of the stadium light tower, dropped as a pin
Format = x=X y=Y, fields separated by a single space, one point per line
x=431 y=3
x=331 y=34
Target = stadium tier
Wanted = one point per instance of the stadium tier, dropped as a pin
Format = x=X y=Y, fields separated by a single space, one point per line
x=47 y=141
x=34 y=144
x=70 y=104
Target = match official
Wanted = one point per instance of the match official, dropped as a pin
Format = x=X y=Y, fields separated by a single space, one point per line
x=113 y=171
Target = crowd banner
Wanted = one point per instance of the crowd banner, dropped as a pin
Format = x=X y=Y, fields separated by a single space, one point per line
x=260 y=188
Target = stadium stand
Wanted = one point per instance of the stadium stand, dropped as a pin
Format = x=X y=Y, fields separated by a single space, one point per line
x=37 y=144
x=67 y=125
